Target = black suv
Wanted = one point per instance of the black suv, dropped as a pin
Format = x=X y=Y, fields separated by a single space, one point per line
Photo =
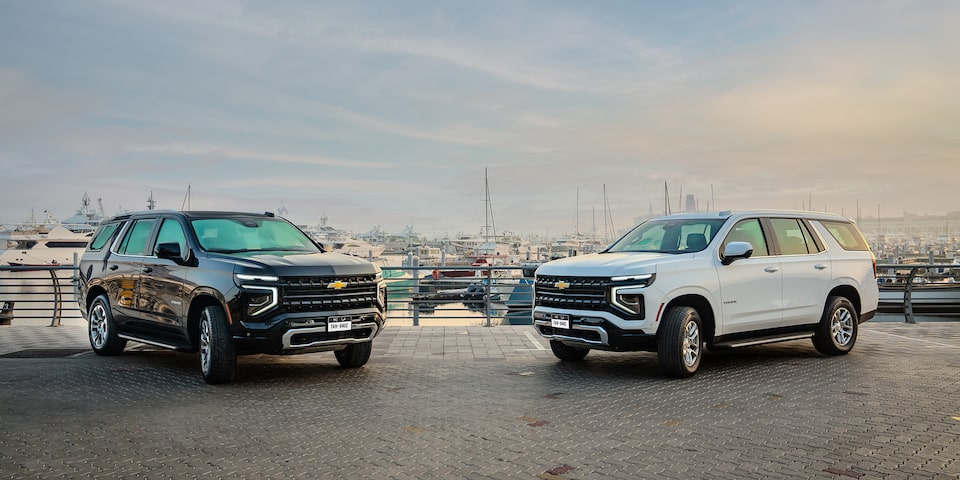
x=226 y=284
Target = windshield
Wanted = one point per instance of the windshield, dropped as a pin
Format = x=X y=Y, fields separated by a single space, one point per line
x=236 y=235
x=669 y=235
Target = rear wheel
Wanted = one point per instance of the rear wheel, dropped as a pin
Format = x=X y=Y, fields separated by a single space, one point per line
x=218 y=354
x=567 y=353
x=102 y=329
x=680 y=343
x=354 y=355
x=837 y=331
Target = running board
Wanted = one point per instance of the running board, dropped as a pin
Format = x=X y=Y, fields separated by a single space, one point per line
x=148 y=342
x=746 y=342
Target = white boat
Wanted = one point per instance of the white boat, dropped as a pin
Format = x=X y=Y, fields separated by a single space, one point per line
x=38 y=245
x=86 y=219
x=358 y=248
x=564 y=247
x=426 y=253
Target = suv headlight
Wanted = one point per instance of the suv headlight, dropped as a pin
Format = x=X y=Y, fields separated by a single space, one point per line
x=629 y=297
x=382 y=294
x=264 y=298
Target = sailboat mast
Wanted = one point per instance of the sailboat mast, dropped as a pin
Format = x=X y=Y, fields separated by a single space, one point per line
x=486 y=207
x=576 y=227
x=488 y=210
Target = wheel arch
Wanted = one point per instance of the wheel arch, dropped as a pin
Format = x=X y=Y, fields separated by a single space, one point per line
x=704 y=310
x=847 y=291
x=92 y=293
x=197 y=305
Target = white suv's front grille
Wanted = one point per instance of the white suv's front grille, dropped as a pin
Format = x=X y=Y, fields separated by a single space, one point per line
x=581 y=293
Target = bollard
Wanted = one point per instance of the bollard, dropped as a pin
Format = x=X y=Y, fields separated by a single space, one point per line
x=6 y=313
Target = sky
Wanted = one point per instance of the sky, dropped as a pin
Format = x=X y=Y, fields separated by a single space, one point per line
x=396 y=113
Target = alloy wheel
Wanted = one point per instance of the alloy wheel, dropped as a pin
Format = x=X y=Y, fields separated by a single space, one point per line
x=841 y=326
x=205 y=343
x=98 y=325
x=691 y=344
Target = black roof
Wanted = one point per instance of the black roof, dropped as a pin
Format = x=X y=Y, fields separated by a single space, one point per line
x=191 y=214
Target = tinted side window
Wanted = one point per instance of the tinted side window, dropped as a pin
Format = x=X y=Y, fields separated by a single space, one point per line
x=847 y=235
x=815 y=244
x=792 y=236
x=172 y=231
x=748 y=231
x=104 y=235
x=138 y=235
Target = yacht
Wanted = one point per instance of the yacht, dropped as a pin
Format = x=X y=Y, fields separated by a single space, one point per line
x=358 y=248
x=86 y=219
x=40 y=245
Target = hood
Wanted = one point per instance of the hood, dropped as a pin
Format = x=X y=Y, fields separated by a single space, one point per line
x=299 y=264
x=607 y=264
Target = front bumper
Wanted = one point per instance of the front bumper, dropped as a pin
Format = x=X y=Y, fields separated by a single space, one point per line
x=309 y=332
x=588 y=330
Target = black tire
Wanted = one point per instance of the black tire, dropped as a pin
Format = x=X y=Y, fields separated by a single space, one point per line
x=218 y=353
x=102 y=329
x=680 y=342
x=837 y=332
x=567 y=353
x=354 y=355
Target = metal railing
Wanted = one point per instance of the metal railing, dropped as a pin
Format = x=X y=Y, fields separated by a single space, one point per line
x=419 y=295
x=445 y=295
x=38 y=293
x=914 y=278
x=464 y=295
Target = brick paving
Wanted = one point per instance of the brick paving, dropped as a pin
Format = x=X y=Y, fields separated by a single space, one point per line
x=474 y=402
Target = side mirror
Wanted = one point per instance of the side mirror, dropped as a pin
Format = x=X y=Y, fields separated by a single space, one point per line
x=736 y=251
x=169 y=251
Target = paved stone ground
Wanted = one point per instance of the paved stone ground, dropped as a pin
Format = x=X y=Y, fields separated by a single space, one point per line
x=472 y=402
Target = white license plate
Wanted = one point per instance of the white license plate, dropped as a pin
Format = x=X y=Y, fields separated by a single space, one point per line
x=339 y=324
x=560 y=321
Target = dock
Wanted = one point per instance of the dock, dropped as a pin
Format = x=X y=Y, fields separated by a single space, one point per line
x=481 y=402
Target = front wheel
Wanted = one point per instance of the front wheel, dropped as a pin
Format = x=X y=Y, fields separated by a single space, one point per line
x=354 y=355
x=102 y=329
x=680 y=342
x=567 y=353
x=837 y=331
x=218 y=354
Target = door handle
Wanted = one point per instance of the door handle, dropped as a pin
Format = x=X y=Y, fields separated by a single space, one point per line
x=771 y=269
x=114 y=267
x=820 y=266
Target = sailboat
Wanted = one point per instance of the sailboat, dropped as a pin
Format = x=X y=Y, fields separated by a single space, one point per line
x=486 y=252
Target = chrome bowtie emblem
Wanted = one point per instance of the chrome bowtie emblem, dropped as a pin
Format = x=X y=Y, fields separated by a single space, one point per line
x=561 y=285
x=337 y=285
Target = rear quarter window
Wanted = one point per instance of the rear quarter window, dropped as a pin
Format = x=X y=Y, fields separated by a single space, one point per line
x=103 y=236
x=847 y=235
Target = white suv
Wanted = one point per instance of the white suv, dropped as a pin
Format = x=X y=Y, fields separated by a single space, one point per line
x=677 y=283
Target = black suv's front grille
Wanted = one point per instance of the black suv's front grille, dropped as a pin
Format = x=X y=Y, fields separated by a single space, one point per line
x=581 y=293
x=311 y=294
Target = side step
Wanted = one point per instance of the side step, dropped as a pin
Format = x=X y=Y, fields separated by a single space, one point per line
x=155 y=343
x=746 y=342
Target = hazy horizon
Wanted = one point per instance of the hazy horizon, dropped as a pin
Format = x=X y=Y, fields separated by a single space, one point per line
x=387 y=114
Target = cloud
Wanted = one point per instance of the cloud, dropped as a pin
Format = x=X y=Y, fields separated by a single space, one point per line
x=234 y=152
